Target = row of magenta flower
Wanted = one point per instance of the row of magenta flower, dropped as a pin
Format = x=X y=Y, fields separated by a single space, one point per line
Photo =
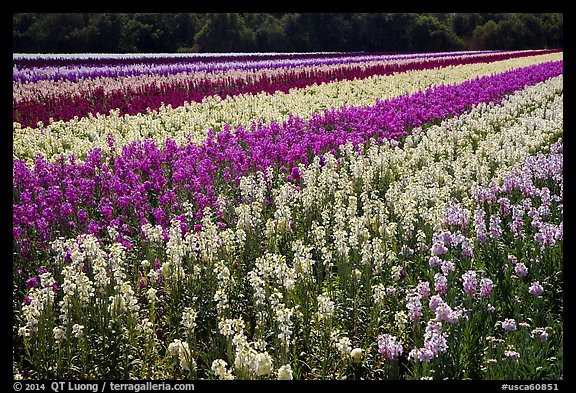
x=144 y=183
x=141 y=99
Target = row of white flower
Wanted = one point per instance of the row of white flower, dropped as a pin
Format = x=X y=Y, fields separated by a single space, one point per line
x=192 y=121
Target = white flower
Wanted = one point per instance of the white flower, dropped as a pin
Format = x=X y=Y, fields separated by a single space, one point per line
x=59 y=333
x=181 y=350
x=325 y=306
x=285 y=373
x=151 y=295
x=356 y=354
x=77 y=330
x=219 y=368
x=264 y=364
x=189 y=318
x=344 y=346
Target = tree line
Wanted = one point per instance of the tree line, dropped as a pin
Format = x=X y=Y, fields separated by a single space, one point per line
x=283 y=32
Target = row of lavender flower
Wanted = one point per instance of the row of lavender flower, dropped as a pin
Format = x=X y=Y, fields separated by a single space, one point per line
x=439 y=256
x=27 y=70
x=46 y=105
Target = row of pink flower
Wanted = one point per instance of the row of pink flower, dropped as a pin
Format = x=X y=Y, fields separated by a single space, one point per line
x=134 y=99
x=144 y=183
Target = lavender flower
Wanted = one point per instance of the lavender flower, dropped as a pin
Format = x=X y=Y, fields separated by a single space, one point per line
x=389 y=347
x=520 y=270
x=480 y=224
x=536 y=289
x=414 y=306
x=438 y=248
x=440 y=283
x=509 y=324
x=486 y=287
x=469 y=282
x=512 y=354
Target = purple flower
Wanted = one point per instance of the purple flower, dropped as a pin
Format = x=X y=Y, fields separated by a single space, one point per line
x=32 y=282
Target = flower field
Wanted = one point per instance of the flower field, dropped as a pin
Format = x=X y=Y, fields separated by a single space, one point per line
x=288 y=216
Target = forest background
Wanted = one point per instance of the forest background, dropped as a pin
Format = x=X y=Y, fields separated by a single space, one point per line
x=283 y=32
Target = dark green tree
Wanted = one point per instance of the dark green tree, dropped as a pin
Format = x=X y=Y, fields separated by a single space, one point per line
x=224 y=32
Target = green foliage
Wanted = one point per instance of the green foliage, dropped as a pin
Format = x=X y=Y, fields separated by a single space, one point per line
x=282 y=32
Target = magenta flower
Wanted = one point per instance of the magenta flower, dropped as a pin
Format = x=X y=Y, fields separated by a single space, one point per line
x=32 y=282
